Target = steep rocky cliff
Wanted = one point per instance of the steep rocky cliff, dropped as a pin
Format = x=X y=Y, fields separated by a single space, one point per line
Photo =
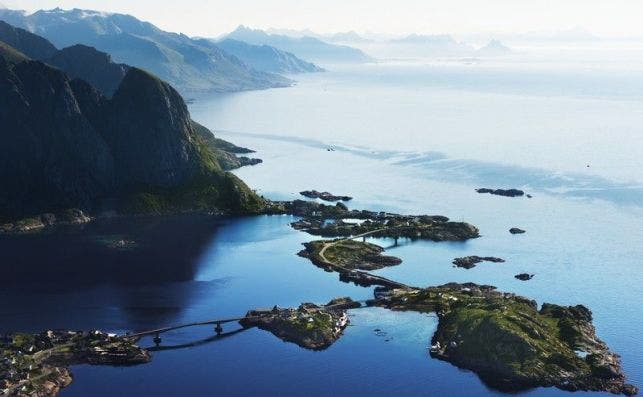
x=67 y=145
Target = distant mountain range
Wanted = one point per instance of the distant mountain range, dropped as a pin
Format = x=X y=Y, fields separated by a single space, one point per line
x=445 y=45
x=494 y=48
x=441 y=45
x=305 y=47
x=188 y=64
x=67 y=145
x=267 y=58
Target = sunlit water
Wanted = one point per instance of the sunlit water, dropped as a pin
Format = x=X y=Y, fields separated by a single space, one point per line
x=413 y=138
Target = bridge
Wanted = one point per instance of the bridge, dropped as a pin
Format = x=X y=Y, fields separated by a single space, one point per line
x=358 y=276
x=218 y=324
x=157 y=332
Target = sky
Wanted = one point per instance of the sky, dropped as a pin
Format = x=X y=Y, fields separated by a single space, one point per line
x=618 y=18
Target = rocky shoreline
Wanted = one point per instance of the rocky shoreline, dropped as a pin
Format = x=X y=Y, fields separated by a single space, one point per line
x=40 y=222
x=348 y=254
x=38 y=364
x=309 y=326
x=330 y=221
x=512 y=345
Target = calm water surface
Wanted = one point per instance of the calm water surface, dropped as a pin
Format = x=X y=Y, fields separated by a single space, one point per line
x=407 y=139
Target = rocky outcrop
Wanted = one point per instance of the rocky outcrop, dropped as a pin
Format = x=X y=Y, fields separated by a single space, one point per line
x=469 y=262
x=326 y=196
x=310 y=326
x=512 y=345
x=524 y=276
x=515 y=230
x=227 y=154
x=502 y=192
x=71 y=216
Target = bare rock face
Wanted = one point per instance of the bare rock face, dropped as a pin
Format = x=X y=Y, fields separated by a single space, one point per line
x=149 y=131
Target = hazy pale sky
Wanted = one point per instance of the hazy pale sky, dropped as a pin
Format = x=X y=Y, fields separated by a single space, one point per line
x=211 y=18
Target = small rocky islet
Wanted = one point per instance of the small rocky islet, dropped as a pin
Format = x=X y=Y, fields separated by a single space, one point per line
x=469 y=262
x=524 y=276
x=502 y=192
x=326 y=196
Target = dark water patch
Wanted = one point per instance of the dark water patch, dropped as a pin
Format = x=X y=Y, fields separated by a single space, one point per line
x=161 y=250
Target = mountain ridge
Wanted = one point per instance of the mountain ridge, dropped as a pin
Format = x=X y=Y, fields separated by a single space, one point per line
x=191 y=65
x=66 y=145
x=305 y=47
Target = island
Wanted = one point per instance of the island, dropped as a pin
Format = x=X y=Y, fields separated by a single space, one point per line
x=524 y=276
x=338 y=221
x=502 y=192
x=469 y=262
x=347 y=255
x=509 y=343
x=38 y=364
x=326 y=196
x=309 y=326
x=515 y=230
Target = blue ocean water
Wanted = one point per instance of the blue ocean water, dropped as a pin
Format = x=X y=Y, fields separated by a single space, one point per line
x=407 y=138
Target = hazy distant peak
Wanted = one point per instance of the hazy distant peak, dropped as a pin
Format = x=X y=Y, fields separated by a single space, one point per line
x=304 y=47
x=426 y=38
x=494 y=47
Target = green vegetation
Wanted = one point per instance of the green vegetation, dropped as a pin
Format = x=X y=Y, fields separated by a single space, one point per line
x=36 y=364
x=309 y=326
x=10 y=54
x=512 y=345
x=349 y=254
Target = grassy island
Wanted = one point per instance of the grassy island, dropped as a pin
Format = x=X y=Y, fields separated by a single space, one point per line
x=309 y=326
x=348 y=255
x=511 y=344
x=333 y=221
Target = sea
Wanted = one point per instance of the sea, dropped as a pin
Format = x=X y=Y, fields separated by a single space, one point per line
x=411 y=136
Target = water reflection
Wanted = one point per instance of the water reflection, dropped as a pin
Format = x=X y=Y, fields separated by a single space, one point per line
x=139 y=271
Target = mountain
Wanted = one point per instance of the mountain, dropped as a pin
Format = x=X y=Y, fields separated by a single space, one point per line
x=78 y=61
x=188 y=64
x=31 y=45
x=267 y=58
x=66 y=145
x=346 y=37
x=435 y=45
x=303 y=47
x=494 y=48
